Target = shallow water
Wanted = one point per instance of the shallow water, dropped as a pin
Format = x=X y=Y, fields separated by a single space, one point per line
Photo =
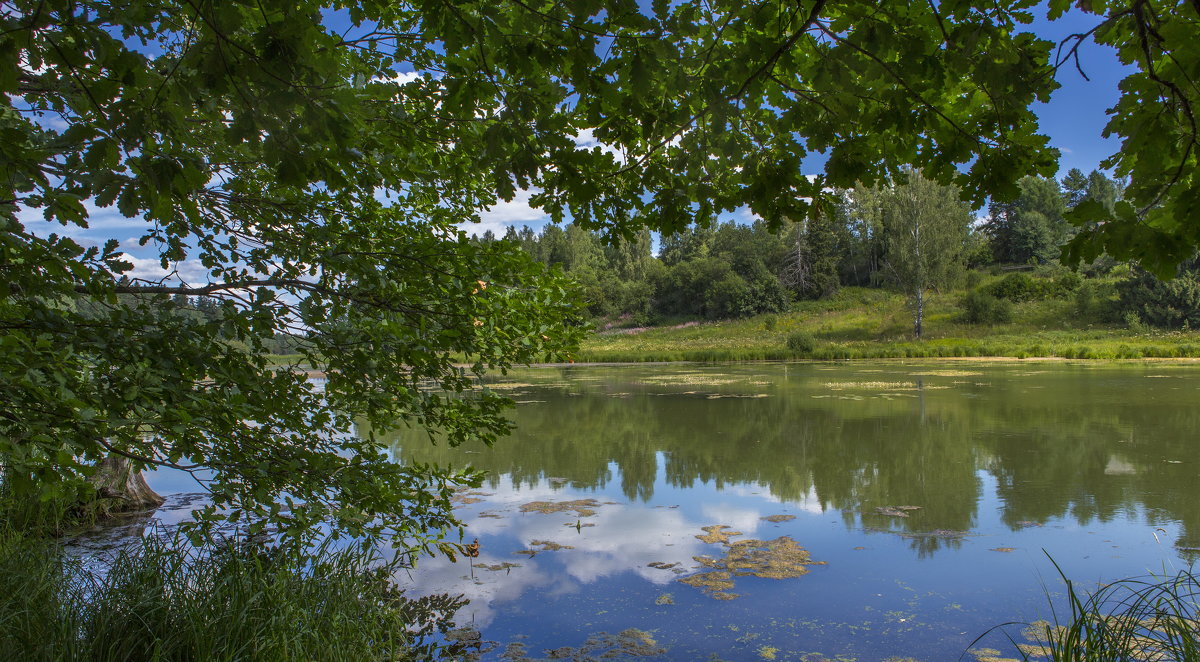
x=929 y=498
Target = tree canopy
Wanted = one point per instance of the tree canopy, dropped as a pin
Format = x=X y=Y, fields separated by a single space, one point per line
x=317 y=159
x=1156 y=119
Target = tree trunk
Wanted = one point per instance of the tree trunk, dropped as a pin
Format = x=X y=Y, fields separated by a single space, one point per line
x=920 y=313
x=123 y=489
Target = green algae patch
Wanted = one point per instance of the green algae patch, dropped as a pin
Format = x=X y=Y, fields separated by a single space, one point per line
x=545 y=545
x=494 y=567
x=604 y=646
x=779 y=518
x=581 y=507
x=712 y=583
x=549 y=545
x=781 y=558
x=717 y=534
x=989 y=655
x=664 y=599
x=895 y=511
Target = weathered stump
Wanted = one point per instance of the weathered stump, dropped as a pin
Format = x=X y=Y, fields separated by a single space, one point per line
x=122 y=488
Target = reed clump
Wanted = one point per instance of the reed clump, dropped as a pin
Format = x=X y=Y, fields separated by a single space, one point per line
x=163 y=600
x=1142 y=619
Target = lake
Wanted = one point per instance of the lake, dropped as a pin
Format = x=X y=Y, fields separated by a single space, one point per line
x=802 y=511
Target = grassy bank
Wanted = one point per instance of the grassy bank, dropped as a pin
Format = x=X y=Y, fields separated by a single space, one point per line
x=860 y=323
x=163 y=600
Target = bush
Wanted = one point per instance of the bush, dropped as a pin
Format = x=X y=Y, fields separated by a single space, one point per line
x=1169 y=304
x=801 y=342
x=983 y=308
x=1023 y=287
x=1096 y=301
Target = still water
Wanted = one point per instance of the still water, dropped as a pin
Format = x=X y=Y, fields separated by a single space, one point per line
x=871 y=511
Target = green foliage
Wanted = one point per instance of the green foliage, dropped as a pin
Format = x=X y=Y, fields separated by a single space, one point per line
x=1171 y=304
x=1156 y=223
x=1023 y=287
x=161 y=600
x=1030 y=228
x=801 y=342
x=925 y=227
x=1097 y=300
x=983 y=308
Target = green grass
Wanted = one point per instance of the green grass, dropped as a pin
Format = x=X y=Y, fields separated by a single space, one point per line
x=164 y=601
x=860 y=323
x=1154 y=618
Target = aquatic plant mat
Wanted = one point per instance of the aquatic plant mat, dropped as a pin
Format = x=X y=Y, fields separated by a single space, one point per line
x=781 y=558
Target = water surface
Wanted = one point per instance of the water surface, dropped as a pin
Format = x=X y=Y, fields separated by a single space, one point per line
x=930 y=497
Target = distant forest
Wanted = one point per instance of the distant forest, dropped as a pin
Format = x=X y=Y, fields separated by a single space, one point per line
x=733 y=269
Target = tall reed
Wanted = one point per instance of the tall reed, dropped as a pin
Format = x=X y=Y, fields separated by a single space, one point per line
x=162 y=600
x=1150 y=619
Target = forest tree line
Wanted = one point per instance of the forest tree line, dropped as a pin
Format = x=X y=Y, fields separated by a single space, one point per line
x=915 y=236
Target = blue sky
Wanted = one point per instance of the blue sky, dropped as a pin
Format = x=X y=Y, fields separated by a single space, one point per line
x=1074 y=121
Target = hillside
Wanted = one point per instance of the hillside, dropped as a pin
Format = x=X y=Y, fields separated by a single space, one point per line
x=871 y=323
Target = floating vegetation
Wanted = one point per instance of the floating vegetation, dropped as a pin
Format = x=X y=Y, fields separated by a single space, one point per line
x=871 y=385
x=546 y=546
x=895 y=511
x=1003 y=549
x=489 y=514
x=691 y=379
x=664 y=599
x=780 y=558
x=779 y=518
x=937 y=533
x=767 y=652
x=662 y=565
x=600 y=646
x=989 y=655
x=717 y=534
x=715 y=584
x=945 y=373
x=498 y=566
x=463 y=496
x=581 y=507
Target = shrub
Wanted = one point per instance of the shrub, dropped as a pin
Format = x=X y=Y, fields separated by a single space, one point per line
x=983 y=308
x=1096 y=301
x=1023 y=287
x=801 y=342
x=1167 y=304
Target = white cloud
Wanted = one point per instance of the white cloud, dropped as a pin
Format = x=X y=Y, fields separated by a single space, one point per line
x=507 y=212
x=190 y=272
x=586 y=140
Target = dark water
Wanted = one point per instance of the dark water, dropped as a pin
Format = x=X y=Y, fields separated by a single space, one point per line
x=1004 y=465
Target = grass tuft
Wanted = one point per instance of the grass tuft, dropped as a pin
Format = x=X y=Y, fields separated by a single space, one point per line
x=163 y=600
